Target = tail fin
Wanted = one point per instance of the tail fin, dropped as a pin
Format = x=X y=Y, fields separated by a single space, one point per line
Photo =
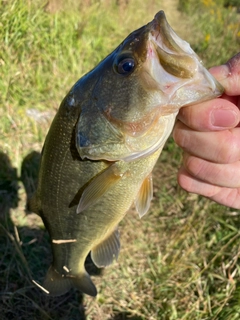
x=56 y=284
x=84 y=284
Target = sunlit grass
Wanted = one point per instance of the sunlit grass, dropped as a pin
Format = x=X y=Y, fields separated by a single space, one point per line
x=216 y=30
x=181 y=261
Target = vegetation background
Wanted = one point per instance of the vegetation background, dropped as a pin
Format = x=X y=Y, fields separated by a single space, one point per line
x=181 y=261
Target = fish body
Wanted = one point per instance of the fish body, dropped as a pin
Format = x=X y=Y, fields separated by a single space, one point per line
x=104 y=142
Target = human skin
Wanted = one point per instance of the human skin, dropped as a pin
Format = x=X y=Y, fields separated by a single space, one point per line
x=209 y=134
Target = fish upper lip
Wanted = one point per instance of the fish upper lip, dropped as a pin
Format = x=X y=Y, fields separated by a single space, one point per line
x=160 y=27
x=176 y=60
x=175 y=55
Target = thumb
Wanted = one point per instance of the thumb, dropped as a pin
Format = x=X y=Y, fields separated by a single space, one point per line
x=229 y=75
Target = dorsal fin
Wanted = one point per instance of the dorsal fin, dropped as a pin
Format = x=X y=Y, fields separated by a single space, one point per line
x=144 y=197
x=108 y=250
x=32 y=204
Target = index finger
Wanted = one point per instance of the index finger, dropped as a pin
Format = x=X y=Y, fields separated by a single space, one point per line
x=212 y=115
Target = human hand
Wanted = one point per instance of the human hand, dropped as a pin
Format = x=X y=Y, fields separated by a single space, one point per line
x=209 y=134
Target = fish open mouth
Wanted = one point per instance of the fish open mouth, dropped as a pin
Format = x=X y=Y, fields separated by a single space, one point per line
x=172 y=51
x=176 y=64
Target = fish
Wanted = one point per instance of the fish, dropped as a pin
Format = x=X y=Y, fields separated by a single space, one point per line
x=103 y=143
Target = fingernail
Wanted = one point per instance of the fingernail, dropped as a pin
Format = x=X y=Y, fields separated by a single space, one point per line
x=224 y=118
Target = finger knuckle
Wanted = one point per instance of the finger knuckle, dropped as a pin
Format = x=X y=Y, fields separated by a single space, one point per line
x=230 y=149
x=180 y=136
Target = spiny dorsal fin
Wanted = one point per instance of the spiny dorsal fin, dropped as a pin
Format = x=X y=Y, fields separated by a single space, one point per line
x=108 y=250
x=100 y=185
x=144 y=197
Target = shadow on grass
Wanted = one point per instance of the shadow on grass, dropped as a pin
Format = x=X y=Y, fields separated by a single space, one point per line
x=25 y=254
x=126 y=316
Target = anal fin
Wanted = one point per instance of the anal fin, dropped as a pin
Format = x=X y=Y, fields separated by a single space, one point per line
x=108 y=250
x=144 y=197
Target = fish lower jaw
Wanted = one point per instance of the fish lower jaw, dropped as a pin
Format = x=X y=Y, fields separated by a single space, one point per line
x=157 y=146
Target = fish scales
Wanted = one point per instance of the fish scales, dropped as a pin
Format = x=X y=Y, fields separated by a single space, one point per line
x=103 y=143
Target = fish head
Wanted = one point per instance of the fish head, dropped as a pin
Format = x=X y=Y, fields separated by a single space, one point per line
x=138 y=90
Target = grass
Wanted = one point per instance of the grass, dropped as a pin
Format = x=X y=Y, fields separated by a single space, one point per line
x=181 y=261
x=216 y=30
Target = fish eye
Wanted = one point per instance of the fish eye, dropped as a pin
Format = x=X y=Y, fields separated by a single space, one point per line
x=125 y=66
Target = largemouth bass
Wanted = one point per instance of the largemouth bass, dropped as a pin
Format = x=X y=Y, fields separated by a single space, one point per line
x=104 y=142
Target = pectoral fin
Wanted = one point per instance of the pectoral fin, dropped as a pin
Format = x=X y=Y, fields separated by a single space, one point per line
x=100 y=185
x=144 y=196
x=108 y=250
